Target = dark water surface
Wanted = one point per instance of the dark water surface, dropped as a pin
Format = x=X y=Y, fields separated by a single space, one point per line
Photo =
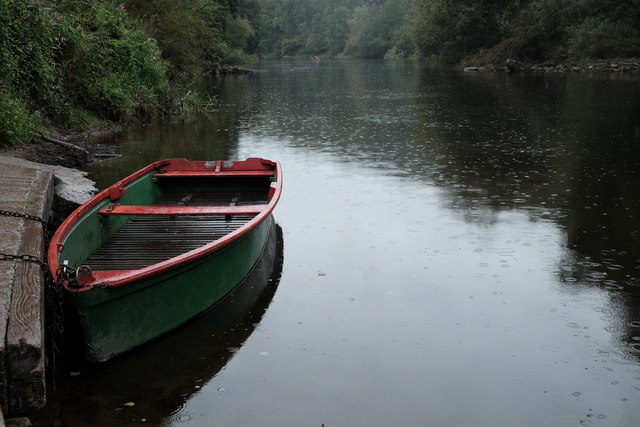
x=459 y=250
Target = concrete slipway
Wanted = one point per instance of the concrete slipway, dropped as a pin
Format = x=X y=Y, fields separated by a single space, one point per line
x=28 y=192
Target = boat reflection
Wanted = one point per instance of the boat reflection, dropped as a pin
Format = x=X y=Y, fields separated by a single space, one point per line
x=149 y=384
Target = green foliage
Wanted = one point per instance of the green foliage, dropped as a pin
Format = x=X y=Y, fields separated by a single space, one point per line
x=189 y=33
x=238 y=32
x=359 y=28
x=187 y=102
x=17 y=124
x=58 y=56
x=378 y=28
x=73 y=61
x=335 y=32
x=111 y=66
x=27 y=39
x=403 y=40
x=582 y=29
x=530 y=30
x=602 y=38
x=449 y=30
x=290 y=47
x=200 y=35
x=252 y=11
x=364 y=40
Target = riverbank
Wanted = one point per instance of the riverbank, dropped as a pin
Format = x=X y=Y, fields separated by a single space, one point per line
x=55 y=148
x=512 y=65
x=32 y=195
x=49 y=153
x=58 y=145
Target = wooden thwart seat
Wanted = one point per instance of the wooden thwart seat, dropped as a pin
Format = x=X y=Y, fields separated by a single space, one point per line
x=118 y=209
x=208 y=174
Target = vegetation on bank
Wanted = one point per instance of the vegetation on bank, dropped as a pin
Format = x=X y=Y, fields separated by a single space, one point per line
x=527 y=30
x=200 y=35
x=72 y=61
x=454 y=31
x=353 y=28
x=68 y=63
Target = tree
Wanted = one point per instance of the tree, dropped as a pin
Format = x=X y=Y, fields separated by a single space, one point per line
x=449 y=29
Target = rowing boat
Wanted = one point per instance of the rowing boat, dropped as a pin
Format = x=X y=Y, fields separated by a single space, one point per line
x=161 y=246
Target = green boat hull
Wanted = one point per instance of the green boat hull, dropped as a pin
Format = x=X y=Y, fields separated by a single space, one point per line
x=114 y=320
x=161 y=246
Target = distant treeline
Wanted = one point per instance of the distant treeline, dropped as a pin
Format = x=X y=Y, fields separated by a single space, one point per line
x=353 y=28
x=454 y=30
x=69 y=63
x=527 y=30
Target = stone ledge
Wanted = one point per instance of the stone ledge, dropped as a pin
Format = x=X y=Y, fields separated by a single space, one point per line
x=71 y=185
x=24 y=190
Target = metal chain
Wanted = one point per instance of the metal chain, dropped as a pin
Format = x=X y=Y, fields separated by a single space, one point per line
x=55 y=304
x=54 y=288
x=23 y=257
x=27 y=257
x=27 y=216
x=48 y=280
x=54 y=295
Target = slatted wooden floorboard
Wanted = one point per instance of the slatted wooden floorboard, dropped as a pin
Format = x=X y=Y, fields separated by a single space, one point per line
x=150 y=239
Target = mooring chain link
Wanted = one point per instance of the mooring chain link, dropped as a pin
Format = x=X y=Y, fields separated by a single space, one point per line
x=23 y=257
x=27 y=216
x=53 y=289
x=28 y=257
x=56 y=306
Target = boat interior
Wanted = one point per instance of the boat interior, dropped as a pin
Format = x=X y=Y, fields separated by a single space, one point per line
x=146 y=239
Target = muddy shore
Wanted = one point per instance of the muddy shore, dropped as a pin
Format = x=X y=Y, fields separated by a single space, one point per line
x=59 y=150
x=512 y=65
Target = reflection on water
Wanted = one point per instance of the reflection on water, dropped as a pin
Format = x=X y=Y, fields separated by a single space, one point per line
x=152 y=383
x=461 y=248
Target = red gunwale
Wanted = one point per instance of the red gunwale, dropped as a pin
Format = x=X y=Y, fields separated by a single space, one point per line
x=115 y=278
x=118 y=209
x=186 y=174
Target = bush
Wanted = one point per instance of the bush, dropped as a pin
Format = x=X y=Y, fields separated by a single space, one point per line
x=450 y=30
x=17 y=124
x=112 y=67
x=28 y=38
x=57 y=56
x=484 y=31
x=602 y=38
x=290 y=47
x=195 y=35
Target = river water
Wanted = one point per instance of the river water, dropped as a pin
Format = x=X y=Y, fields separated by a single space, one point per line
x=459 y=249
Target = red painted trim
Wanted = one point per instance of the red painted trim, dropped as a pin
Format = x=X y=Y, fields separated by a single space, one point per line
x=118 y=209
x=122 y=277
x=115 y=192
x=217 y=167
x=187 y=174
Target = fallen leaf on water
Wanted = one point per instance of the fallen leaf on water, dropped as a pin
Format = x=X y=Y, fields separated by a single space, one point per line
x=130 y=404
x=322 y=274
x=74 y=374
